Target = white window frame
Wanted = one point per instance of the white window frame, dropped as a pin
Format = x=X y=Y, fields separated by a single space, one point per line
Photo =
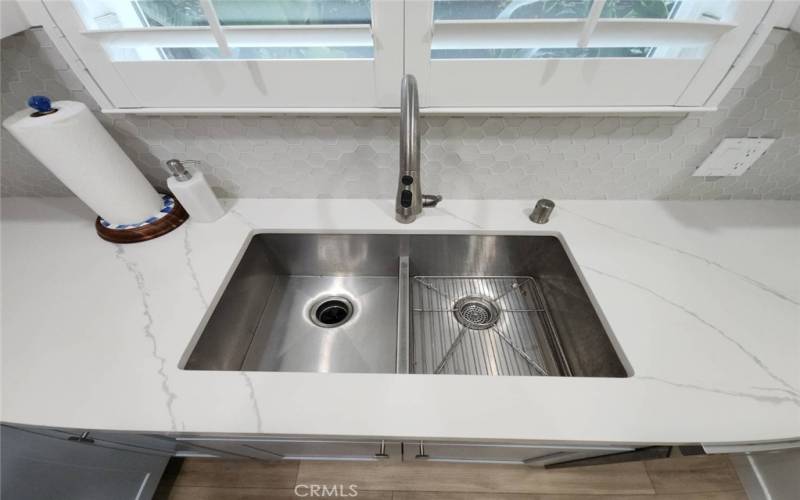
x=401 y=31
x=565 y=83
x=235 y=83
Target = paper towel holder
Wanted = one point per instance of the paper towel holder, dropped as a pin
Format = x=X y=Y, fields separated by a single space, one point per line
x=171 y=216
x=42 y=105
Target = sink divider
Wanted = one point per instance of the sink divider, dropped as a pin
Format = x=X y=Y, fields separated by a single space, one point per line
x=403 y=317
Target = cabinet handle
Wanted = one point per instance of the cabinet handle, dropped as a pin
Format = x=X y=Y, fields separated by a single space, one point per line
x=421 y=455
x=83 y=438
x=382 y=452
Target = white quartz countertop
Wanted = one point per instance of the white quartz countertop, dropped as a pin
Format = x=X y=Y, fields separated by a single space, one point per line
x=703 y=298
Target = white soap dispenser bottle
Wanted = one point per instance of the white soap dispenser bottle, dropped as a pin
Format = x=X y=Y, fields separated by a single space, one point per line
x=193 y=192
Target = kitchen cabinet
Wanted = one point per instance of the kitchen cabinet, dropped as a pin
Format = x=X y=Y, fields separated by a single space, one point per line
x=539 y=455
x=767 y=470
x=127 y=441
x=273 y=449
x=774 y=474
x=276 y=449
x=59 y=465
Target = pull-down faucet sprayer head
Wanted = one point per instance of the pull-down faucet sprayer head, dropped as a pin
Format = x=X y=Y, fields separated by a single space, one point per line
x=410 y=199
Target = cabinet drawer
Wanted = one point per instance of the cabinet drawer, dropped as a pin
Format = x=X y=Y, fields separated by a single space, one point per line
x=442 y=451
x=288 y=449
x=751 y=447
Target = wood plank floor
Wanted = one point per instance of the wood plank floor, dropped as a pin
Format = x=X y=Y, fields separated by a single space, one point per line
x=679 y=478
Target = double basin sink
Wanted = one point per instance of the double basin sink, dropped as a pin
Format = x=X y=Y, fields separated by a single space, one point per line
x=406 y=303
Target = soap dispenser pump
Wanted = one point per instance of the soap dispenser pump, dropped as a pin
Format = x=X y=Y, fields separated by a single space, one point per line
x=192 y=190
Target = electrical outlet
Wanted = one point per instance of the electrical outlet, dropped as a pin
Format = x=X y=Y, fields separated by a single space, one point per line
x=732 y=157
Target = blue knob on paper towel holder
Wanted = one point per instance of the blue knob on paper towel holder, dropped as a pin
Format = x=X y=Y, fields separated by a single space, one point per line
x=41 y=104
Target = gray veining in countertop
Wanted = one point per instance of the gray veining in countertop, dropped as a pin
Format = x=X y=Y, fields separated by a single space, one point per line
x=705 y=321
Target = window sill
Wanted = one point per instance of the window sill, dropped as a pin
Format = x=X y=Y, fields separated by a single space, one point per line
x=444 y=111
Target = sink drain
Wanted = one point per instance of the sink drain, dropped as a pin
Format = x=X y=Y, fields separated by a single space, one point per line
x=330 y=312
x=476 y=313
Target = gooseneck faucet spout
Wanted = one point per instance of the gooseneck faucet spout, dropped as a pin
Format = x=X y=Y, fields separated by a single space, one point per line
x=410 y=199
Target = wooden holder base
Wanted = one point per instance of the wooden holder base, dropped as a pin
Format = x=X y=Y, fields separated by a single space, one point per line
x=162 y=226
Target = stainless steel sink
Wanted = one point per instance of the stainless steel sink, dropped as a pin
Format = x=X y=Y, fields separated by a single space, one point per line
x=390 y=303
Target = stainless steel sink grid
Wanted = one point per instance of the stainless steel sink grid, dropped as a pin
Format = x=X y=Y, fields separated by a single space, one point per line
x=494 y=325
x=406 y=303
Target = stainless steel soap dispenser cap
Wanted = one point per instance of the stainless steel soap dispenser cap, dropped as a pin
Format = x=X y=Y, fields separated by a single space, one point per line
x=178 y=169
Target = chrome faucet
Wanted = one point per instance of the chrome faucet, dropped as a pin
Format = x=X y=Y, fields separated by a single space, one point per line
x=410 y=199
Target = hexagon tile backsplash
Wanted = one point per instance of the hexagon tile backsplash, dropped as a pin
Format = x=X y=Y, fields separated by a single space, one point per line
x=473 y=157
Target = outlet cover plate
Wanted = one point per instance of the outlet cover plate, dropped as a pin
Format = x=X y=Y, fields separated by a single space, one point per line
x=733 y=157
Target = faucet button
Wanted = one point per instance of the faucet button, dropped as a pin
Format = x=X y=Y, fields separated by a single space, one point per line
x=405 y=198
x=407 y=180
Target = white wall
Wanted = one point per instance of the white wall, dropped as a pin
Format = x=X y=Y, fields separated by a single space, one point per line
x=795 y=26
x=11 y=18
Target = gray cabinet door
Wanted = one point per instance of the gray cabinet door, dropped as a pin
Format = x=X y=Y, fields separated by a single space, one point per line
x=300 y=449
x=443 y=451
x=128 y=441
x=42 y=467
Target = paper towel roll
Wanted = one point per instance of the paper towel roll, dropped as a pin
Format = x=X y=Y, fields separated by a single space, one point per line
x=82 y=154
